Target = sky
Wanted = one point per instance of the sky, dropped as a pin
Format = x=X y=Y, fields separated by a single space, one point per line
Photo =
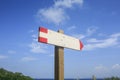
x=95 y=22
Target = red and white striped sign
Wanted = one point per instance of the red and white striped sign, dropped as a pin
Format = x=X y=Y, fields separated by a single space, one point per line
x=58 y=39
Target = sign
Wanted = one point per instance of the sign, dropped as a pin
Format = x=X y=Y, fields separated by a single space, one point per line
x=58 y=39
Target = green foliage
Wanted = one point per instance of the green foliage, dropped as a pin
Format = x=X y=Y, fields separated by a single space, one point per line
x=112 y=78
x=7 y=75
x=93 y=77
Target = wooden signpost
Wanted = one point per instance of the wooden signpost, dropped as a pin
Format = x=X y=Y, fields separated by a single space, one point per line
x=60 y=41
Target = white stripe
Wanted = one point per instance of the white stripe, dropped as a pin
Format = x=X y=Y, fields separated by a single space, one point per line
x=42 y=34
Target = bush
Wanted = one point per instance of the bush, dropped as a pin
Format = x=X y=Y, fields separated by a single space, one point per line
x=7 y=75
x=112 y=78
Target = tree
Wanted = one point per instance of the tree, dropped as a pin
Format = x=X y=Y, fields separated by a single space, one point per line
x=93 y=77
x=7 y=75
x=112 y=78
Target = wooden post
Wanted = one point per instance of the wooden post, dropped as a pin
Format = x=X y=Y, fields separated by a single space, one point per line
x=59 y=62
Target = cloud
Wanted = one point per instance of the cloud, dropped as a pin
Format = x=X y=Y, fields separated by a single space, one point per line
x=54 y=15
x=28 y=59
x=116 y=67
x=95 y=43
x=3 y=57
x=11 y=52
x=91 y=30
x=103 y=71
x=100 y=68
x=37 y=48
x=71 y=28
x=57 y=12
x=116 y=35
x=79 y=36
x=68 y=3
x=31 y=31
x=112 y=40
x=34 y=37
x=94 y=40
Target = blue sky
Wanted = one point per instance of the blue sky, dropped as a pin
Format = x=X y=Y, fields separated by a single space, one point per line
x=95 y=22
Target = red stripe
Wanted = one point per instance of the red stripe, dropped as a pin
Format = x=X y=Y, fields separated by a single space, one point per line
x=42 y=39
x=42 y=29
x=81 y=45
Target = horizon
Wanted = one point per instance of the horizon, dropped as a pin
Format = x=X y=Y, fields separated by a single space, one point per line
x=95 y=23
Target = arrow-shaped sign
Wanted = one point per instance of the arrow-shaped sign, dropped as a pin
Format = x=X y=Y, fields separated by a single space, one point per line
x=58 y=39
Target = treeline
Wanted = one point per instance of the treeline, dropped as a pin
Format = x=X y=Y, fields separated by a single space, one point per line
x=112 y=78
x=8 y=75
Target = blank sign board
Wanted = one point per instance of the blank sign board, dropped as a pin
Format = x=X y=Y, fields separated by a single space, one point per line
x=58 y=39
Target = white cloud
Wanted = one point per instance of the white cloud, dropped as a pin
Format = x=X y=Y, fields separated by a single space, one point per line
x=11 y=52
x=94 y=43
x=56 y=13
x=35 y=37
x=116 y=35
x=112 y=40
x=31 y=31
x=68 y=3
x=116 y=66
x=28 y=59
x=37 y=48
x=71 y=28
x=91 y=30
x=101 y=68
x=79 y=36
x=116 y=70
x=93 y=40
x=3 y=57
x=103 y=71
